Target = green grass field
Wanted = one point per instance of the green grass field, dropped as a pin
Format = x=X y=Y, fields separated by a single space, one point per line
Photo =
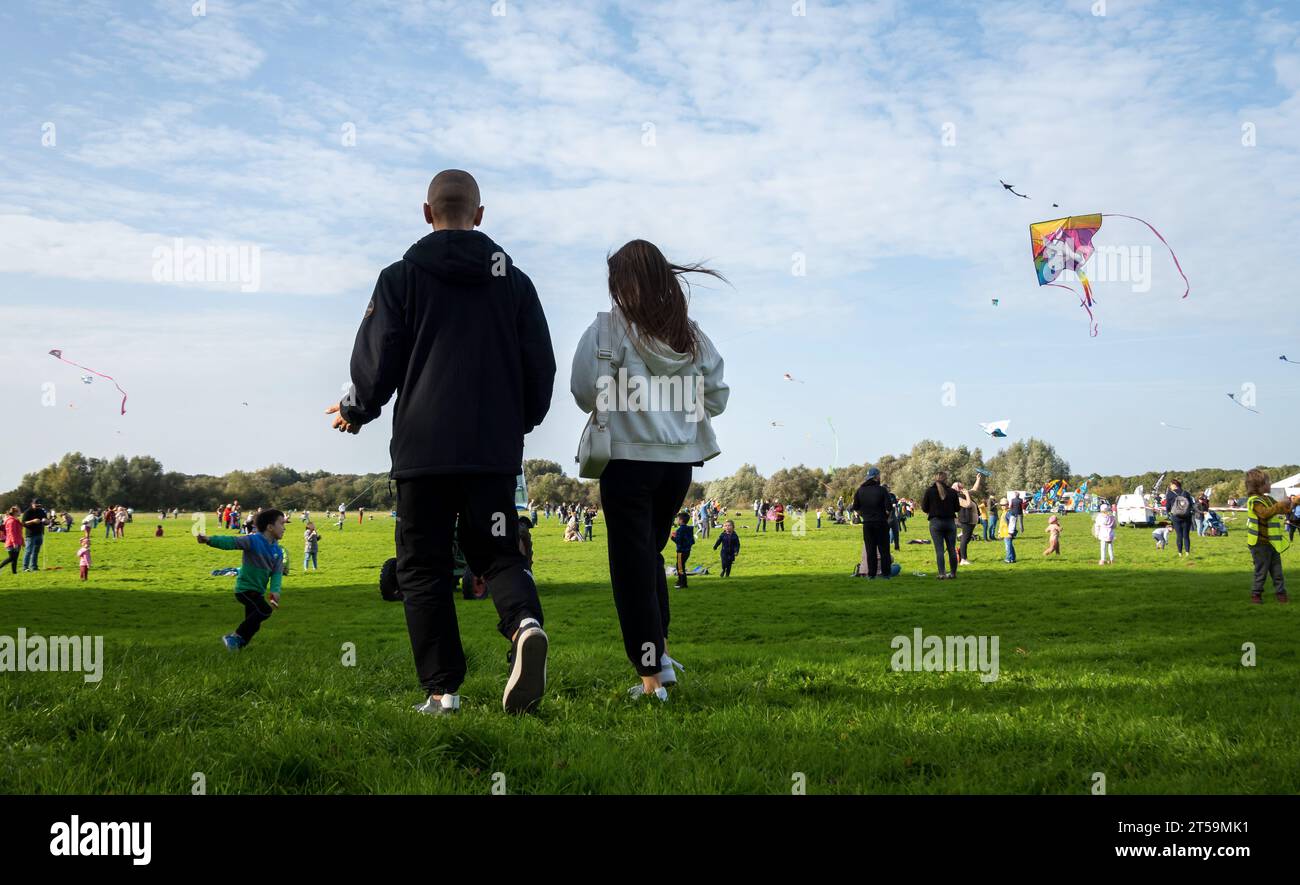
x=1134 y=670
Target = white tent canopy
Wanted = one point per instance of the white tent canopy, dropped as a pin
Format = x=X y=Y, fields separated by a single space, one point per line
x=1283 y=487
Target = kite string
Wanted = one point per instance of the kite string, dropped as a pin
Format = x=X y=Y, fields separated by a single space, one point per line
x=100 y=374
x=1163 y=240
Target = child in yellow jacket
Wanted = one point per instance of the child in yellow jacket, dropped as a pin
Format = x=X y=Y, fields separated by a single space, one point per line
x=1264 y=534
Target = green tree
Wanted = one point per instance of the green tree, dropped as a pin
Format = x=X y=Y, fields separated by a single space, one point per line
x=535 y=468
x=739 y=490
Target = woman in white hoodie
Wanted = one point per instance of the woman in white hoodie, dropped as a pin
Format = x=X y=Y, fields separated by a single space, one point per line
x=662 y=385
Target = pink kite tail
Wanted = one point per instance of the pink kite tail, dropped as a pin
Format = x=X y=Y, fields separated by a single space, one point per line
x=1086 y=304
x=58 y=355
x=1167 y=246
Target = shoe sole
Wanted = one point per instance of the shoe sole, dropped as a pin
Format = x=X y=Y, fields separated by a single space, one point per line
x=528 y=676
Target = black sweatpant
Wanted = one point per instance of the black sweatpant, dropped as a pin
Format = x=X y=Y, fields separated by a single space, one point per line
x=12 y=561
x=256 y=610
x=966 y=532
x=640 y=500
x=875 y=535
x=1183 y=531
x=726 y=565
x=488 y=534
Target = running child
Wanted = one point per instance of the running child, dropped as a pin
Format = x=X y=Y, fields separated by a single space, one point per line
x=730 y=543
x=1053 y=537
x=684 y=537
x=261 y=571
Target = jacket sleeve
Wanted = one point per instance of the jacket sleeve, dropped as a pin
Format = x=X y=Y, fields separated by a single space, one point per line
x=582 y=380
x=230 y=542
x=379 y=355
x=537 y=357
x=715 y=390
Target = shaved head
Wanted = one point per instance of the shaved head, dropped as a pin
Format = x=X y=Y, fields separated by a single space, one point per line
x=453 y=199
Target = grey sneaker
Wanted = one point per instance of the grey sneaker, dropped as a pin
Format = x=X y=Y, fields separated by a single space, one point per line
x=638 y=691
x=443 y=706
x=527 y=659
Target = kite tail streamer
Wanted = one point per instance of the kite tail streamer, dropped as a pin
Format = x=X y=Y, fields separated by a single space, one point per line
x=58 y=355
x=1188 y=287
x=1086 y=303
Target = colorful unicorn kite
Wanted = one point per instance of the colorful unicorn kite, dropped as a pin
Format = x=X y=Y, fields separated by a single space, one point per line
x=1066 y=244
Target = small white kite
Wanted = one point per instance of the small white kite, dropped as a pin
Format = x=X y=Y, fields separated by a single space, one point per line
x=788 y=377
x=996 y=428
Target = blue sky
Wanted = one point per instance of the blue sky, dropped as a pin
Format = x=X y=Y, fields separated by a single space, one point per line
x=867 y=138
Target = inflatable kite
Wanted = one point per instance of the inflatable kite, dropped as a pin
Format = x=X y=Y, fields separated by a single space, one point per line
x=58 y=355
x=1066 y=244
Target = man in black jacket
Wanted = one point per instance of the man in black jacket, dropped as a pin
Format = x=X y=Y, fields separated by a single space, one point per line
x=872 y=502
x=457 y=331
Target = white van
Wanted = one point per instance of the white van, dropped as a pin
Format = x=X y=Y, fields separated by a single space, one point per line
x=1133 y=510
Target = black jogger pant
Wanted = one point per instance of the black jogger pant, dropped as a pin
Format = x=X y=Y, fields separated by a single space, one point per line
x=12 y=561
x=488 y=534
x=256 y=610
x=943 y=533
x=875 y=535
x=966 y=532
x=640 y=499
x=1183 y=531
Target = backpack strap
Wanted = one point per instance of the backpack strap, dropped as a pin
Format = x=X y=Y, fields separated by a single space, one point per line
x=605 y=356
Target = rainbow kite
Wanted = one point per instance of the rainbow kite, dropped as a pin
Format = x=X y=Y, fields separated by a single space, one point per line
x=58 y=355
x=1066 y=244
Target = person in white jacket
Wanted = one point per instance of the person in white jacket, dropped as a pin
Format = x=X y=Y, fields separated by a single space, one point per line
x=663 y=387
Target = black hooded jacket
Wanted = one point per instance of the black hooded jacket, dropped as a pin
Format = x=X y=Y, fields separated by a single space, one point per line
x=872 y=501
x=458 y=333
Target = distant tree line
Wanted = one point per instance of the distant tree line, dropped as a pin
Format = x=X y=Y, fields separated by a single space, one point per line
x=76 y=482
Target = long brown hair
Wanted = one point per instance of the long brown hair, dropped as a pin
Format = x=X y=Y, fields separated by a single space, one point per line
x=647 y=288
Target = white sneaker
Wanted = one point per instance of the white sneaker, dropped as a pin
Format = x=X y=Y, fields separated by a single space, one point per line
x=527 y=659
x=638 y=691
x=443 y=706
x=667 y=675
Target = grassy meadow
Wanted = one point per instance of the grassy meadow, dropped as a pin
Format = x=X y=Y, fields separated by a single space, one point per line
x=1134 y=670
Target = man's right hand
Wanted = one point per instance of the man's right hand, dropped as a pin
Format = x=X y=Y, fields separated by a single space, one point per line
x=201 y=538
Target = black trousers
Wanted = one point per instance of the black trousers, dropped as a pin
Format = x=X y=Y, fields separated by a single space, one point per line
x=1183 y=531
x=12 y=561
x=256 y=610
x=428 y=508
x=726 y=565
x=966 y=532
x=640 y=500
x=875 y=535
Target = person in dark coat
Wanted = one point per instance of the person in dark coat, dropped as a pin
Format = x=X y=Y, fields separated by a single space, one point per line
x=872 y=503
x=458 y=332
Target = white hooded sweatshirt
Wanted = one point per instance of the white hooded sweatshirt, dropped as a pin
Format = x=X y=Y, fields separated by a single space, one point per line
x=660 y=402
